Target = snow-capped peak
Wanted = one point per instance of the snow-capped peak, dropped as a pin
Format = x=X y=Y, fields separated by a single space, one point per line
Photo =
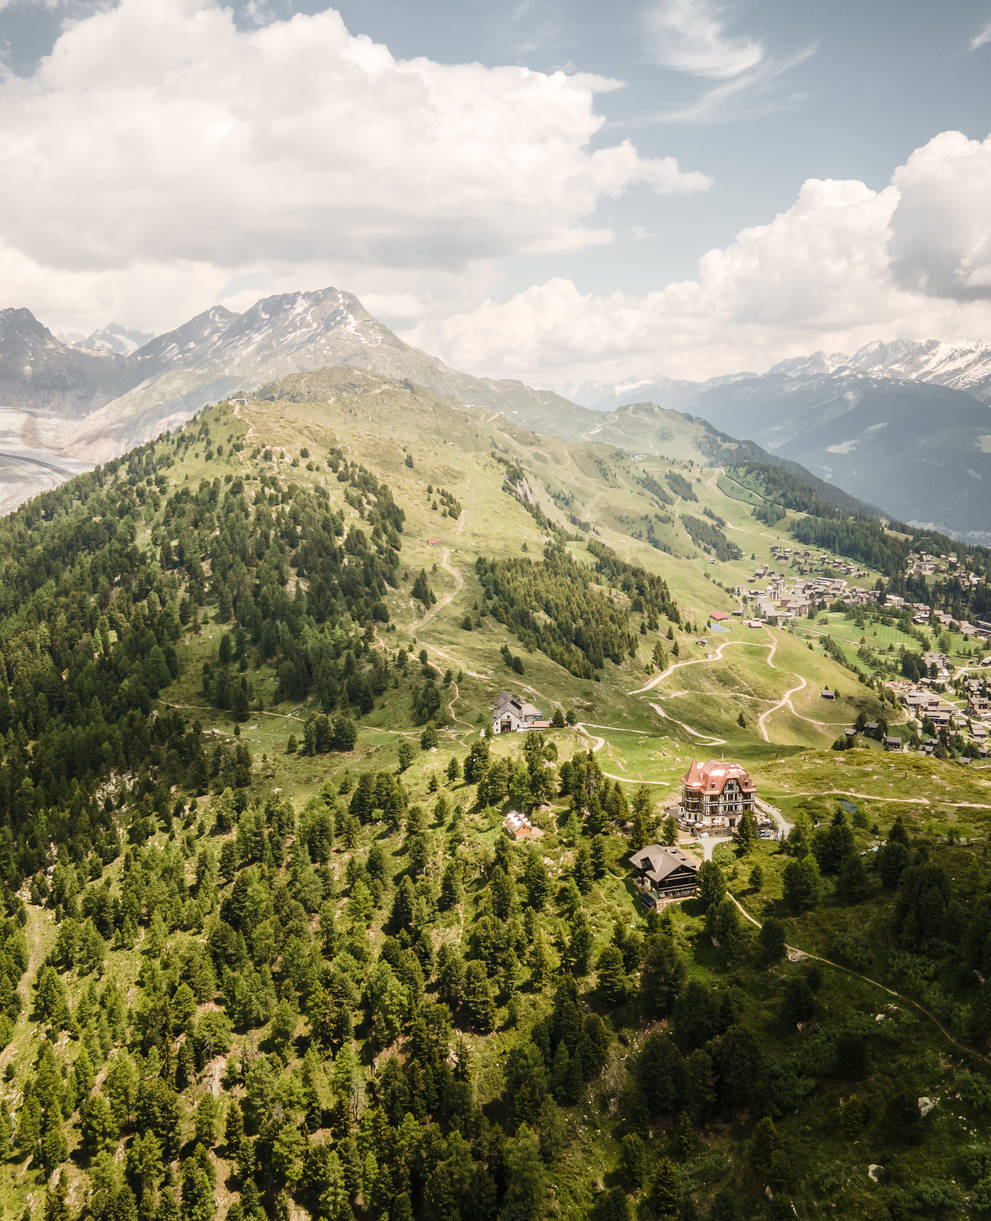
x=959 y=366
x=114 y=339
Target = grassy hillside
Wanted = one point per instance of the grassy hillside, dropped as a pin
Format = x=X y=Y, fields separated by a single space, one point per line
x=266 y=949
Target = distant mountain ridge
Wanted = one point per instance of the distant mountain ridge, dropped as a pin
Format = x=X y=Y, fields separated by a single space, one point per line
x=965 y=367
x=110 y=340
x=900 y=424
x=99 y=402
x=904 y=424
x=40 y=373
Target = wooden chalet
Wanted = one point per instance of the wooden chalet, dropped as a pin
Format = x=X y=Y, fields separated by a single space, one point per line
x=664 y=875
x=517 y=826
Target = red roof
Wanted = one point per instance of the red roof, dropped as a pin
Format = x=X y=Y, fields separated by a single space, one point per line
x=719 y=616
x=711 y=777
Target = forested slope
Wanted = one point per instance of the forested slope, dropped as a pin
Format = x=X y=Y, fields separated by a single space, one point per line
x=266 y=951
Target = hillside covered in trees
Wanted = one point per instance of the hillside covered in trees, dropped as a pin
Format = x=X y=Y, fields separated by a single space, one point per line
x=266 y=950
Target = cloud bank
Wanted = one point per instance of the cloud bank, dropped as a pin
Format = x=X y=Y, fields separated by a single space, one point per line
x=162 y=158
x=844 y=265
x=160 y=140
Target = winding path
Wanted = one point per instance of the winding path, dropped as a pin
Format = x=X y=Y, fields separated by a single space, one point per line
x=785 y=701
x=799 y=954
x=772 y=644
x=598 y=743
x=705 y=739
x=444 y=599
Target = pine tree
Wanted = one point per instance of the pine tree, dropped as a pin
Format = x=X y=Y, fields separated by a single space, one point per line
x=723 y=924
x=240 y=700
x=802 y=884
x=526 y=1179
x=661 y=977
x=422 y=591
x=54 y=1148
x=612 y=976
x=711 y=883
x=539 y=963
x=344 y=734
x=479 y=1006
x=664 y=1190
x=746 y=832
x=233 y=1125
x=581 y=870
x=771 y=940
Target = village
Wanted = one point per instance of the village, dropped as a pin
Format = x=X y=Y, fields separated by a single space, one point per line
x=947 y=709
x=936 y=721
x=783 y=597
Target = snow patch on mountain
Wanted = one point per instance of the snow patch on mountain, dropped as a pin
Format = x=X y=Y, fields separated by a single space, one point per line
x=111 y=340
x=959 y=366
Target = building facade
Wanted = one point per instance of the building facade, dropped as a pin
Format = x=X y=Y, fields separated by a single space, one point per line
x=716 y=794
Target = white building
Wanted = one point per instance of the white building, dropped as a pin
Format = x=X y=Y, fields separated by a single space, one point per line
x=513 y=715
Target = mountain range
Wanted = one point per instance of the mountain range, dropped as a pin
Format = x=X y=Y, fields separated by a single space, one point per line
x=904 y=424
x=959 y=367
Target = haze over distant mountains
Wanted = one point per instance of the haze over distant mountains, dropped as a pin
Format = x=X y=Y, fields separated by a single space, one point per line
x=111 y=339
x=904 y=425
x=959 y=367
x=64 y=405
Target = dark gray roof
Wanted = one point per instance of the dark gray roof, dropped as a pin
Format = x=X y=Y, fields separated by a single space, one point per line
x=511 y=703
x=661 y=862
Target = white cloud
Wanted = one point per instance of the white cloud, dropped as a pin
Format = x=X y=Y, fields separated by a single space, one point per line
x=981 y=38
x=842 y=266
x=159 y=135
x=751 y=93
x=941 y=239
x=689 y=36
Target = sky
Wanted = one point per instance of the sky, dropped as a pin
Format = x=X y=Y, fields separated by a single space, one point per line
x=572 y=193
